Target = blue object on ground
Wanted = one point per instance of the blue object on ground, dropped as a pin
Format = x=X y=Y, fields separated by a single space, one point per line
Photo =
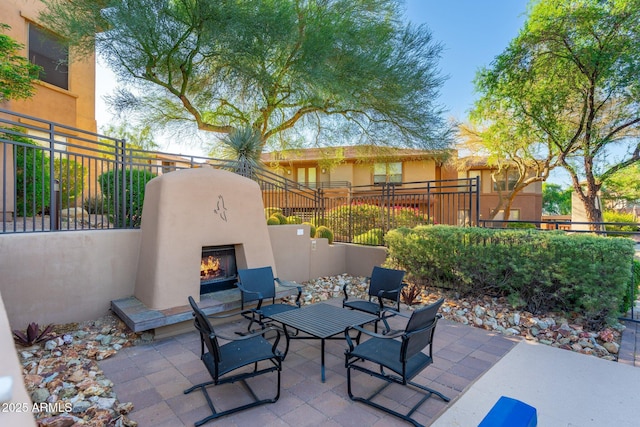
x=508 y=412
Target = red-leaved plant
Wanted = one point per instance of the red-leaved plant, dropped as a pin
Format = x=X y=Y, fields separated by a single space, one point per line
x=32 y=335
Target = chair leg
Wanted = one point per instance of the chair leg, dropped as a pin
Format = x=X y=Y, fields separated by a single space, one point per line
x=215 y=414
x=390 y=379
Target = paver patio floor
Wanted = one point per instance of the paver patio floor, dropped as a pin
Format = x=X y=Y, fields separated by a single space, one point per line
x=153 y=377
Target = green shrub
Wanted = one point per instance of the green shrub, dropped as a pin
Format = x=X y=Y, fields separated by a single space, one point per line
x=408 y=217
x=352 y=220
x=32 y=177
x=312 y=229
x=135 y=182
x=281 y=218
x=550 y=271
x=94 y=205
x=273 y=220
x=294 y=219
x=270 y=211
x=324 y=232
x=634 y=284
x=520 y=225
x=372 y=238
x=70 y=174
x=358 y=218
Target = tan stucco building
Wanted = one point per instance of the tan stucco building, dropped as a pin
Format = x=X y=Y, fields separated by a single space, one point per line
x=337 y=167
x=64 y=94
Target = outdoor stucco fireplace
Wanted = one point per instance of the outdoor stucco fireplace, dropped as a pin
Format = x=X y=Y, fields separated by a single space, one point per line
x=218 y=269
x=186 y=212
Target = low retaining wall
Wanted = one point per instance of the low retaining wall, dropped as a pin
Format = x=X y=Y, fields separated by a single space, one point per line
x=66 y=277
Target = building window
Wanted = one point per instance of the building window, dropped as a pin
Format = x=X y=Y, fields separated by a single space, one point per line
x=306 y=176
x=506 y=181
x=514 y=215
x=48 y=51
x=387 y=172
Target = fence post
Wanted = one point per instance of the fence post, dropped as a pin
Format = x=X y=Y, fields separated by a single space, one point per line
x=53 y=182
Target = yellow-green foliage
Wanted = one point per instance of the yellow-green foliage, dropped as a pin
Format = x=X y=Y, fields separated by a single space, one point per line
x=324 y=232
x=270 y=211
x=621 y=217
x=312 y=229
x=372 y=237
x=272 y=220
x=294 y=219
x=281 y=218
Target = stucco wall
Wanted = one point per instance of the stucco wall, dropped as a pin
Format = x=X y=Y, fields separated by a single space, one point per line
x=66 y=277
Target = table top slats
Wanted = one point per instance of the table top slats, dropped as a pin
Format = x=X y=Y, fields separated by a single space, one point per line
x=322 y=320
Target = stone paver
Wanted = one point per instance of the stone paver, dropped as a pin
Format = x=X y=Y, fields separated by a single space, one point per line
x=153 y=376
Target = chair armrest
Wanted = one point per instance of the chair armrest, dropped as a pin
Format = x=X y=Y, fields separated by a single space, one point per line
x=250 y=335
x=387 y=335
x=288 y=284
x=246 y=291
x=392 y=291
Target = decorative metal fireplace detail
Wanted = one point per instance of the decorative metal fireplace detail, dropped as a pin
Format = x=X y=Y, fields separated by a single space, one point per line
x=218 y=269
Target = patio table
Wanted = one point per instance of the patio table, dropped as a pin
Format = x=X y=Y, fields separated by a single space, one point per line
x=321 y=321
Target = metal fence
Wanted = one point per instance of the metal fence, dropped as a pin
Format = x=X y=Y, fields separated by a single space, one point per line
x=58 y=178
x=363 y=214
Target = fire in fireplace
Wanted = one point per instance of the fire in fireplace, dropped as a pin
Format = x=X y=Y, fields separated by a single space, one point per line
x=218 y=269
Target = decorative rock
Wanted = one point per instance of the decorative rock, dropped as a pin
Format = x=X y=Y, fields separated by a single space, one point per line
x=124 y=408
x=612 y=347
x=40 y=395
x=105 y=402
x=515 y=319
x=479 y=311
x=80 y=407
x=74 y=213
x=61 y=421
x=50 y=345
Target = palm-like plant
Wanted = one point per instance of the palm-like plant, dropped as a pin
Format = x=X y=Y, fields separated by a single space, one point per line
x=244 y=145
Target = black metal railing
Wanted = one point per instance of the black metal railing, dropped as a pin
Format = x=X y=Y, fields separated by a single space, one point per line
x=55 y=177
x=362 y=214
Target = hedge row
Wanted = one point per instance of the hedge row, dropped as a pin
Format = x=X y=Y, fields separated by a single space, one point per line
x=538 y=271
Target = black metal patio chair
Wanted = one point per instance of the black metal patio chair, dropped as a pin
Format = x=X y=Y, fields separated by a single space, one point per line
x=398 y=351
x=258 y=284
x=225 y=362
x=384 y=284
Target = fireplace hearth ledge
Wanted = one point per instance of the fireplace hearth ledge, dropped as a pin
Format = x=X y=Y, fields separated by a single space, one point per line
x=140 y=318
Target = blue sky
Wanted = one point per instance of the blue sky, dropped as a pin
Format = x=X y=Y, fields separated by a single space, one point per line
x=473 y=33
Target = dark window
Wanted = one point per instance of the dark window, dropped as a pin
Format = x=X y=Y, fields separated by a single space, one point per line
x=48 y=51
x=387 y=172
x=507 y=181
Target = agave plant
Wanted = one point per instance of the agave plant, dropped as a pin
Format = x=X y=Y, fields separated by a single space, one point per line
x=244 y=145
x=32 y=335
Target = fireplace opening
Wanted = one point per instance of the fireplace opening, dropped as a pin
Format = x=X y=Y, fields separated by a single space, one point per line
x=218 y=269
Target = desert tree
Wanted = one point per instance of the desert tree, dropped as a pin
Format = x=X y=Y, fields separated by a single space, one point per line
x=293 y=70
x=571 y=77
